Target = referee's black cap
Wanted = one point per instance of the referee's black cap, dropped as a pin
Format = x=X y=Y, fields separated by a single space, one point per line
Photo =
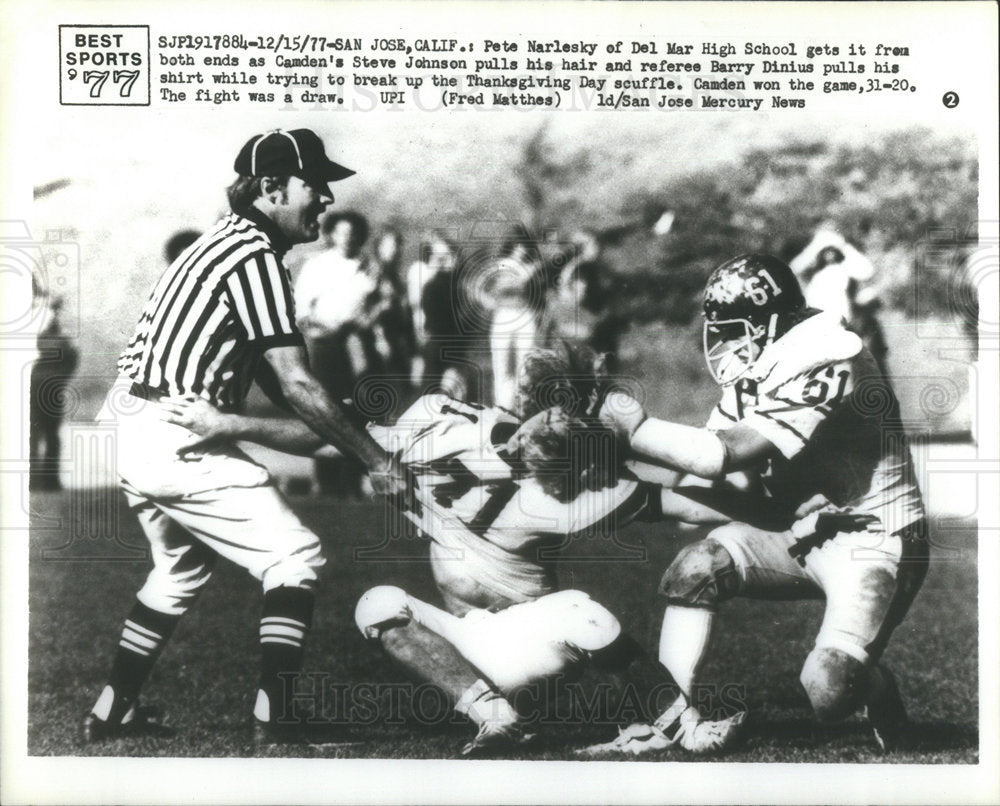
x=298 y=152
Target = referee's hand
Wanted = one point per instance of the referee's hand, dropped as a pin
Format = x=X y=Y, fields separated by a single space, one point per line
x=208 y=425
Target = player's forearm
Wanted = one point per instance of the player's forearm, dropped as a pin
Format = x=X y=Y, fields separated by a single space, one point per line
x=675 y=504
x=681 y=447
x=723 y=504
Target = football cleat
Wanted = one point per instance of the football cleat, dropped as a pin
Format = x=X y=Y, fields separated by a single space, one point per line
x=140 y=721
x=706 y=736
x=496 y=739
x=887 y=716
x=638 y=739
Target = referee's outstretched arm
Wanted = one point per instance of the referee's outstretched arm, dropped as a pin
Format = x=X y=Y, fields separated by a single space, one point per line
x=324 y=415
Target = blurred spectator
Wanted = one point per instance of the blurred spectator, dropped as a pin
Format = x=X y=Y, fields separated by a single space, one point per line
x=826 y=267
x=514 y=292
x=389 y=307
x=833 y=275
x=579 y=304
x=51 y=376
x=826 y=283
x=864 y=321
x=443 y=339
x=332 y=297
x=438 y=254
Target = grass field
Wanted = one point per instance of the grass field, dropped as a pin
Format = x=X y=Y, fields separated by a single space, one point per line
x=81 y=589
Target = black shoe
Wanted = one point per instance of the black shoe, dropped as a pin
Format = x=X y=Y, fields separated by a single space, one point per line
x=315 y=734
x=144 y=722
x=495 y=740
x=887 y=715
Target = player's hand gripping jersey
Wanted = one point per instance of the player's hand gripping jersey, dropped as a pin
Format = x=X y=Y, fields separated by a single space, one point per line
x=476 y=501
x=819 y=397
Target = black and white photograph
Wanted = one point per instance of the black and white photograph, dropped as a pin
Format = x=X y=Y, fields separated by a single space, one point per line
x=397 y=394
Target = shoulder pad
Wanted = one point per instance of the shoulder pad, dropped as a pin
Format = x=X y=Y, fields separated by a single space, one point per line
x=820 y=340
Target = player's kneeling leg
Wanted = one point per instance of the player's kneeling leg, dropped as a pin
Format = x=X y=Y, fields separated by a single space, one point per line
x=418 y=636
x=702 y=575
x=381 y=608
x=583 y=623
x=835 y=682
x=513 y=648
x=530 y=642
x=423 y=639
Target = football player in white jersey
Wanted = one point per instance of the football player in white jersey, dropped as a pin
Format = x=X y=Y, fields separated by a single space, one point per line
x=498 y=497
x=493 y=493
x=806 y=410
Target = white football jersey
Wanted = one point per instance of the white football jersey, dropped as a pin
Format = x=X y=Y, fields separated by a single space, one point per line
x=475 y=498
x=835 y=422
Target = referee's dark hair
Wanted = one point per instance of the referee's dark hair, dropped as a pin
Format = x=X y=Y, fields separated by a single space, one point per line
x=246 y=189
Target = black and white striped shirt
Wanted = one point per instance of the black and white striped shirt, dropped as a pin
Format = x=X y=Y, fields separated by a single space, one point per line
x=224 y=301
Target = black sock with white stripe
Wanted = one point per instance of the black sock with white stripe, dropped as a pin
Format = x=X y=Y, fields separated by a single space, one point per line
x=143 y=636
x=286 y=618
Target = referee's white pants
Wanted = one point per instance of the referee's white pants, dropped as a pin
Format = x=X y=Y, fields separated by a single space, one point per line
x=206 y=504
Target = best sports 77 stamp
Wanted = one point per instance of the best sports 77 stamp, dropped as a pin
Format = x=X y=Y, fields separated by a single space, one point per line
x=104 y=65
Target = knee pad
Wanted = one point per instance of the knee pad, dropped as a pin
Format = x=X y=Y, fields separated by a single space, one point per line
x=380 y=608
x=701 y=575
x=536 y=640
x=835 y=683
x=581 y=621
x=570 y=617
x=298 y=569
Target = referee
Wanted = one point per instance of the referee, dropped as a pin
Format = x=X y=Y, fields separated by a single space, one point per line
x=220 y=317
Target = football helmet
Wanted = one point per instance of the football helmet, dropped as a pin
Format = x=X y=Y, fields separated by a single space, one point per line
x=750 y=301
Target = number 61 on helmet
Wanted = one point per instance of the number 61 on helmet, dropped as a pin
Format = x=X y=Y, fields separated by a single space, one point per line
x=750 y=301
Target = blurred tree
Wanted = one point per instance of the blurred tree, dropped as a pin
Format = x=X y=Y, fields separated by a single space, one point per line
x=891 y=197
x=550 y=181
